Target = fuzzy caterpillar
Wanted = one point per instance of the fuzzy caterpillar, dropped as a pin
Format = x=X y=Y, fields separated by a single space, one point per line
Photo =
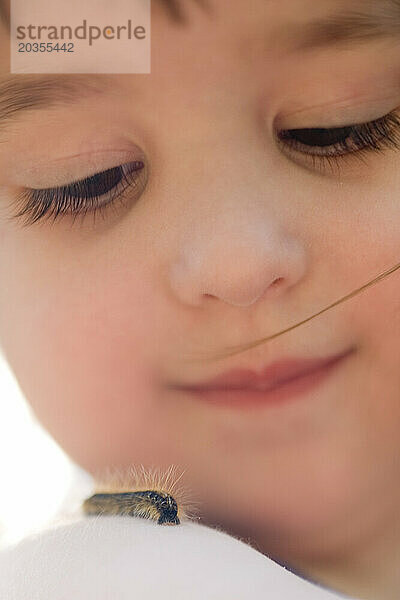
x=148 y=494
x=149 y=504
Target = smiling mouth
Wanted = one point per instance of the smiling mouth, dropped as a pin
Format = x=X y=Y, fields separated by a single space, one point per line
x=282 y=379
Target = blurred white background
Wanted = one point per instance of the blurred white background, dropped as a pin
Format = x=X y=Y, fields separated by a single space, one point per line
x=38 y=481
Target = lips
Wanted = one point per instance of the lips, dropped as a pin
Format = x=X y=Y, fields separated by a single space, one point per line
x=271 y=377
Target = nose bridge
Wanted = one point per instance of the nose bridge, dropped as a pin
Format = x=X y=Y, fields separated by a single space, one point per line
x=231 y=184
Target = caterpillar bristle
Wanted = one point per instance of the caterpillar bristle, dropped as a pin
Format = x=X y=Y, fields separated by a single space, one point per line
x=137 y=478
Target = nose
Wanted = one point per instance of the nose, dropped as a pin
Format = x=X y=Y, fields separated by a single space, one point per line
x=237 y=259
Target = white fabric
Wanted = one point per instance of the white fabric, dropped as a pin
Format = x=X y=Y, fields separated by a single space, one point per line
x=125 y=558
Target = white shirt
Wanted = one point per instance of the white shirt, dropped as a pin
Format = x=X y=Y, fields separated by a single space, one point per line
x=126 y=558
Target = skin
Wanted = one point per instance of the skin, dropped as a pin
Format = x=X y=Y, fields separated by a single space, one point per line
x=96 y=319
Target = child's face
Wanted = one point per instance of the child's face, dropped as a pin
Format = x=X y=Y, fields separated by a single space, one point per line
x=234 y=236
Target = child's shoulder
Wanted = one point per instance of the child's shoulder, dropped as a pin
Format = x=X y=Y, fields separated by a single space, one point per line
x=104 y=558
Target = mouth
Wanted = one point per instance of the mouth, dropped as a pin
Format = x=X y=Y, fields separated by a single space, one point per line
x=281 y=380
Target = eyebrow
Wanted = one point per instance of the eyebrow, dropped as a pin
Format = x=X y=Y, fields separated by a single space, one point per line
x=23 y=93
x=374 y=20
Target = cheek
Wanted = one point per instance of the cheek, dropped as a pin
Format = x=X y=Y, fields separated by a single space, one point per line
x=366 y=245
x=79 y=335
x=370 y=408
x=375 y=311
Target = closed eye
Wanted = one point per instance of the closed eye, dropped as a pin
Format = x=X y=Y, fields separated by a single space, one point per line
x=324 y=147
x=91 y=194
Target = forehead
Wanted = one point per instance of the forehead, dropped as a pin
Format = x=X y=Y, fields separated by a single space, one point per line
x=347 y=15
x=281 y=23
x=178 y=9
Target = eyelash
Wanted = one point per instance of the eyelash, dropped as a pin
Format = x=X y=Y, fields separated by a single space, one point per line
x=361 y=140
x=93 y=194
x=83 y=196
